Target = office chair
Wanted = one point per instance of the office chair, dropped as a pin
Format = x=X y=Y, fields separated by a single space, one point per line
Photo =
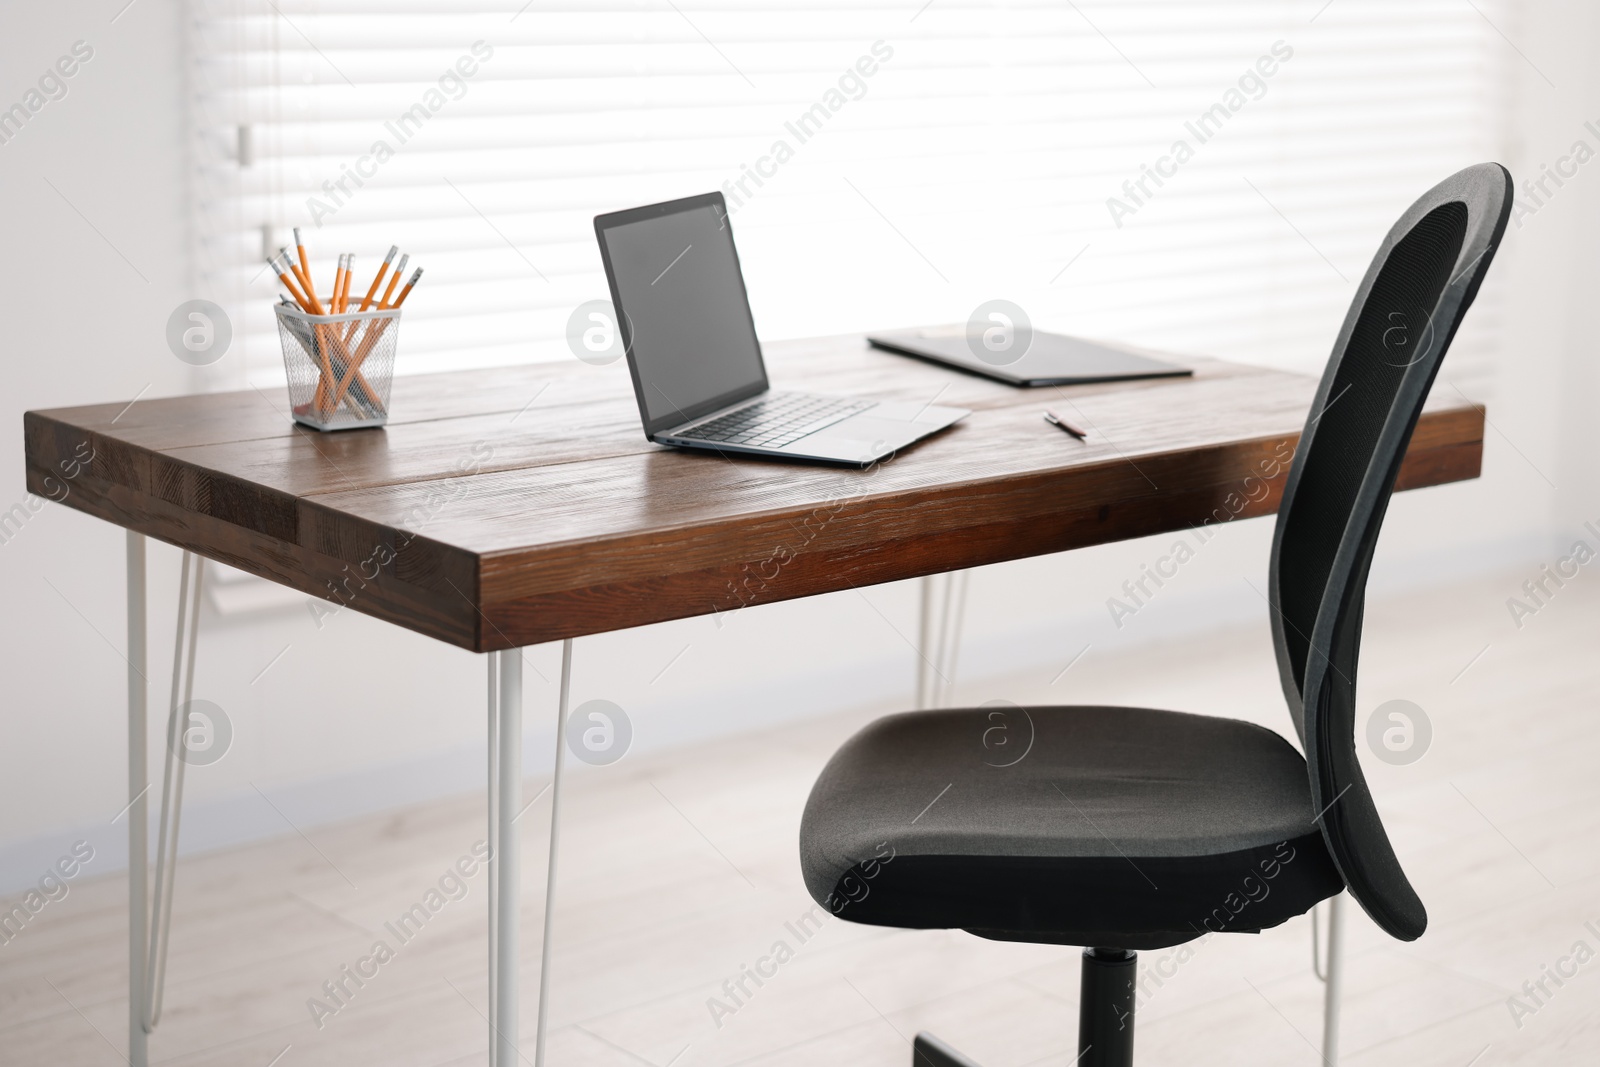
x=1122 y=829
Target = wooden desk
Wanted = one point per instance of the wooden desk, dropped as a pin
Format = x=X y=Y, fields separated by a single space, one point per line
x=505 y=508
x=490 y=523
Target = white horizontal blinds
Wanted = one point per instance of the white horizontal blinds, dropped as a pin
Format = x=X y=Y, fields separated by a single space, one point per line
x=955 y=152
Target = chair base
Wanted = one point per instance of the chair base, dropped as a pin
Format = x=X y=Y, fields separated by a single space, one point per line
x=929 y=1051
x=1105 y=1016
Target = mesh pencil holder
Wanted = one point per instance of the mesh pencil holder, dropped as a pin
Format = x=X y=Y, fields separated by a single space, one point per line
x=340 y=367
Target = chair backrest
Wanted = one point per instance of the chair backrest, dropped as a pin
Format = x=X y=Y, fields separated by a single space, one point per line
x=1401 y=322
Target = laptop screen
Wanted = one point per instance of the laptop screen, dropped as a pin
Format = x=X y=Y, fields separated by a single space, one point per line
x=676 y=285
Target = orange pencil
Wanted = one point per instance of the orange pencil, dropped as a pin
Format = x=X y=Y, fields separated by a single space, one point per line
x=349 y=278
x=281 y=269
x=284 y=266
x=372 y=290
x=305 y=268
x=325 y=336
x=372 y=338
x=338 y=285
x=304 y=277
x=409 y=286
x=335 y=305
x=374 y=335
x=349 y=259
x=399 y=272
x=366 y=301
x=325 y=380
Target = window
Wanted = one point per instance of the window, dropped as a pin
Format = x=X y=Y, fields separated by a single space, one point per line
x=1198 y=177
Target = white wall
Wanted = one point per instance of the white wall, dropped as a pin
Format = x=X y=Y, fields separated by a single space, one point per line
x=81 y=325
x=1561 y=273
x=324 y=740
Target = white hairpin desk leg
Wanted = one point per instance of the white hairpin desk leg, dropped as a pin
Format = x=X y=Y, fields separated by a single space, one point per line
x=138 y=816
x=943 y=608
x=176 y=760
x=507 y=859
x=493 y=660
x=925 y=593
x=555 y=841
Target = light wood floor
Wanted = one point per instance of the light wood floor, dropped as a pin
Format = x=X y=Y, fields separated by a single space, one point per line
x=679 y=869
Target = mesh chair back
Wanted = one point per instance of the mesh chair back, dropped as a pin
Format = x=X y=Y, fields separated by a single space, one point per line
x=1401 y=322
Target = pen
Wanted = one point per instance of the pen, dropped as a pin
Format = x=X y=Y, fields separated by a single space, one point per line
x=1056 y=420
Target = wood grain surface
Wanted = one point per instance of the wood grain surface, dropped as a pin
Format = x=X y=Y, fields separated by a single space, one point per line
x=512 y=506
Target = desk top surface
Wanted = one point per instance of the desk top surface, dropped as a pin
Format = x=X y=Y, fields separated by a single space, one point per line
x=517 y=505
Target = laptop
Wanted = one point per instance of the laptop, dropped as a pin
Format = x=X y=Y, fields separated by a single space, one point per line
x=697 y=369
x=1045 y=359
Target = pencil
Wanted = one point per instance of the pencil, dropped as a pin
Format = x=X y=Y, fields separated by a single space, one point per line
x=304 y=278
x=329 y=347
x=349 y=277
x=325 y=336
x=325 y=383
x=283 y=266
x=305 y=266
x=399 y=272
x=326 y=333
x=346 y=364
x=341 y=338
x=409 y=286
x=281 y=269
x=338 y=286
x=375 y=334
x=372 y=289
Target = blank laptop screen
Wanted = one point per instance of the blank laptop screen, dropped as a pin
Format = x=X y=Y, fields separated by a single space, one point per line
x=678 y=284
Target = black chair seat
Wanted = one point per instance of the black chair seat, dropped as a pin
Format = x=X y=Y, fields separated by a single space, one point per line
x=1068 y=825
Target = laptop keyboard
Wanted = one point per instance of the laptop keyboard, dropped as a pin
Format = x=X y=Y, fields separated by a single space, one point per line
x=775 y=420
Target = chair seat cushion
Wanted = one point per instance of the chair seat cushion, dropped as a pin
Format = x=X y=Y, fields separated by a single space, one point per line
x=1124 y=827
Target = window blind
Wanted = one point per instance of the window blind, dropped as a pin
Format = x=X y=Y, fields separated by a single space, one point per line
x=1198 y=177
